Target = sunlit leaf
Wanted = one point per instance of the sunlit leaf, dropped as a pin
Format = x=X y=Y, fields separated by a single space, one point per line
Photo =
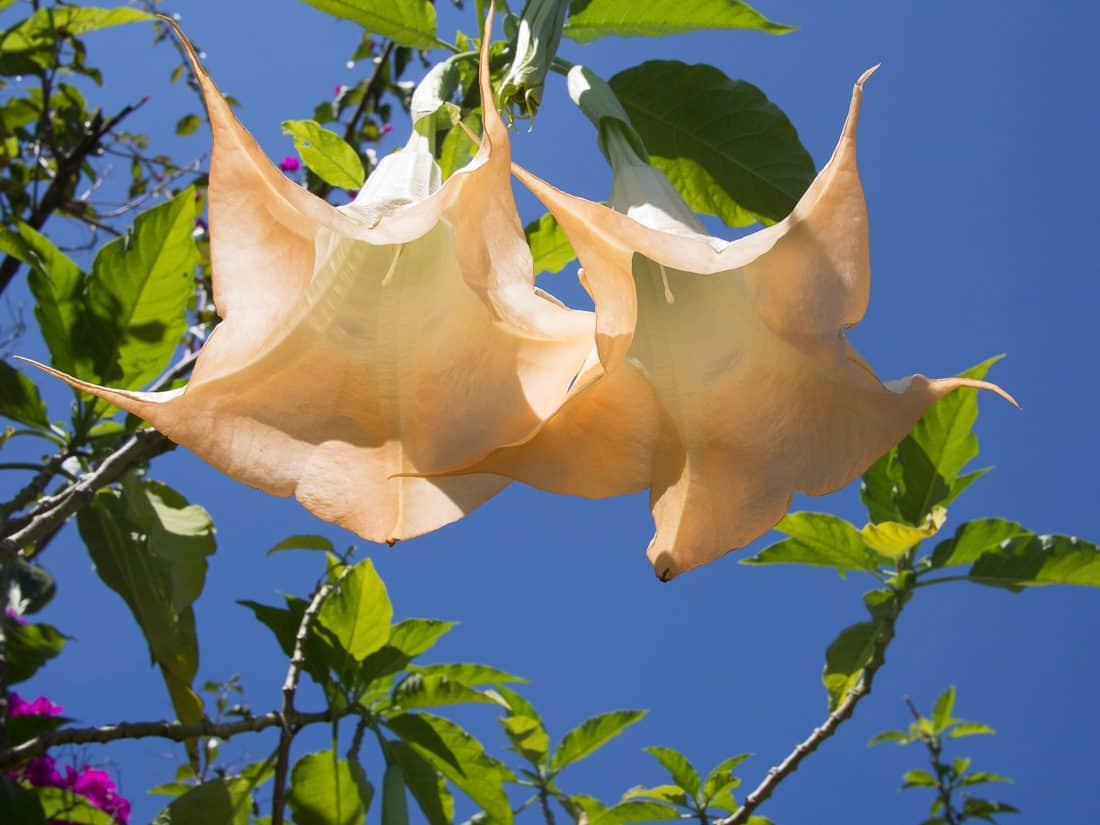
x=846 y=658
x=224 y=801
x=326 y=154
x=820 y=540
x=358 y=614
x=323 y=791
x=409 y=22
x=550 y=248
x=683 y=773
x=591 y=735
x=590 y=19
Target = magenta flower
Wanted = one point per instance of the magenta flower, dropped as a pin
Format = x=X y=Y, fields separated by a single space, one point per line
x=386 y=129
x=290 y=164
x=18 y=706
x=11 y=614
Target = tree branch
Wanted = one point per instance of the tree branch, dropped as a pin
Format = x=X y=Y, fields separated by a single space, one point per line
x=174 y=731
x=67 y=167
x=804 y=748
x=290 y=688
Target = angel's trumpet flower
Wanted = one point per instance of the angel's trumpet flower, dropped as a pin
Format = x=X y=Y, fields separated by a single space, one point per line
x=359 y=345
x=723 y=379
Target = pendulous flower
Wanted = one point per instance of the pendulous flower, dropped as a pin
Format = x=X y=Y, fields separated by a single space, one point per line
x=365 y=344
x=722 y=378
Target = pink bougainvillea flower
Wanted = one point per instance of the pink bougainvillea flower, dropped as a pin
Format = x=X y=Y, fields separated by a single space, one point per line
x=722 y=380
x=290 y=164
x=41 y=706
x=359 y=345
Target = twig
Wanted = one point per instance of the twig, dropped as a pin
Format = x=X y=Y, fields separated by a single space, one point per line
x=290 y=688
x=139 y=448
x=544 y=803
x=67 y=168
x=34 y=488
x=803 y=749
x=174 y=731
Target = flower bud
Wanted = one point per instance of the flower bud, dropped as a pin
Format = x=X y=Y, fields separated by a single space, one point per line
x=535 y=45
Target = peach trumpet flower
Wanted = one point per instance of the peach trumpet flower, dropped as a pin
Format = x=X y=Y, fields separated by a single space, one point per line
x=722 y=378
x=363 y=345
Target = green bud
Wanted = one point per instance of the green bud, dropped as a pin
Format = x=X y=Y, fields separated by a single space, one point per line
x=536 y=43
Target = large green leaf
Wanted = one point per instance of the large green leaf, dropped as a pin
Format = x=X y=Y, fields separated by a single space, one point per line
x=973 y=539
x=150 y=546
x=1030 y=560
x=19 y=805
x=591 y=735
x=460 y=757
x=29 y=647
x=62 y=805
x=424 y=691
x=726 y=148
x=395 y=800
x=408 y=639
x=408 y=22
x=138 y=293
x=220 y=801
x=469 y=673
x=845 y=659
x=58 y=288
x=425 y=783
x=324 y=792
x=358 y=614
x=47 y=24
x=820 y=540
x=681 y=770
x=550 y=248
x=19 y=398
x=525 y=729
x=590 y=19
x=326 y=154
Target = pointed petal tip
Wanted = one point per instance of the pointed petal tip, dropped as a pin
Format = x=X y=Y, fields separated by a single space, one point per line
x=863 y=77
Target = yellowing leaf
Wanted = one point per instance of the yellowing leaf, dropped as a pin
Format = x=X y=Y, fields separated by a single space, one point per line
x=366 y=344
x=722 y=378
x=894 y=540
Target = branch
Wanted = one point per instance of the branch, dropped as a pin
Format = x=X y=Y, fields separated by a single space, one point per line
x=139 y=448
x=67 y=166
x=290 y=688
x=803 y=749
x=174 y=731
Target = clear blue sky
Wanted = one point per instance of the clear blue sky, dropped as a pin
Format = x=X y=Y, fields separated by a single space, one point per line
x=978 y=147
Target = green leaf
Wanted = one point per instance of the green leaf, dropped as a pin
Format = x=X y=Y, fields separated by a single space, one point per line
x=683 y=773
x=408 y=639
x=894 y=539
x=974 y=539
x=591 y=735
x=944 y=707
x=47 y=24
x=138 y=293
x=820 y=540
x=550 y=248
x=726 y=148
x=284 y=624
x=221 y=801
x=19 y=398
x=326 y=154
x=845 y=659
x=425 y=783
x=395 y=804
x=358 y=614
x=29 y=647
x=982 y=777
x=961 y=729
x=408 y=23
x=938 y=448
x=64 y=805
x=672 y=794
x=720 y=781
x=899 y=736
x=19 y=805
x=58 y=288
x=304 y=542
x=590 y=19
x=1032 y=561
x=525 y=729
x=150 y=546
x=323 y=791
x=419 y=691
x=470 y=674
x=918 y=779
x=879 y=488
x=187 y=124
x=460 y=757
x=984 y=808
x=457 y=147
x=635 y=810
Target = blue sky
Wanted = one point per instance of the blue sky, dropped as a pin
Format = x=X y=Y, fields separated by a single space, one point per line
x=978 y=141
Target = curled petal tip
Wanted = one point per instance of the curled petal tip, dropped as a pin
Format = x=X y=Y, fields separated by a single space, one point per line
x=863 y=77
